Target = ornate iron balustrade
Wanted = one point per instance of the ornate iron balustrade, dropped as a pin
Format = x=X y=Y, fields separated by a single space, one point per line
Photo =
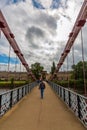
x=10 y=98
x=76 y=102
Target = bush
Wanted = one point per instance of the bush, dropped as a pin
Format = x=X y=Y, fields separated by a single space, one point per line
x=77 y=84
x=11 y=84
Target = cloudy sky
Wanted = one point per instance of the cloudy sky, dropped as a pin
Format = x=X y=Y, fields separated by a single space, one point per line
x=41 y=29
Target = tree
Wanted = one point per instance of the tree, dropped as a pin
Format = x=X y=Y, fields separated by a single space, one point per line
x=78 y=70
x=53 y=68
x=37 y=69
x=12 y=83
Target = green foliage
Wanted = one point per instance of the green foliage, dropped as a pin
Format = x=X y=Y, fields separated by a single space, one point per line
x=12 y=80
x=78 y=70
x=78 y=84
x=12 y=83
x=62 y=83
x=53 y=68
x=37 y=69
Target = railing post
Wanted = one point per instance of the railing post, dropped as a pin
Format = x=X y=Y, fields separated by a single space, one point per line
x=22 y=91
x=69 y=99
x=17 y=95
x=64 y=94
x=11 y=98
x=57 y=90
x=0 y=103
x=28 y=88
x=60 y=92
x=25 y=90
x=79 y=108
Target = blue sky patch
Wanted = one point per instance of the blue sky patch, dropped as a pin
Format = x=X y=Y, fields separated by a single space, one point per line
x=54 y=5
x=15 y=1
x=4 y=59
x=37 y=4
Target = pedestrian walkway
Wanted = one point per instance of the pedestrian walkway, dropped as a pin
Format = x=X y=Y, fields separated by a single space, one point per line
x=33 y=113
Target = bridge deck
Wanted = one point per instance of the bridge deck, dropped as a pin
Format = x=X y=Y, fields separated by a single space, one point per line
x=33 y=113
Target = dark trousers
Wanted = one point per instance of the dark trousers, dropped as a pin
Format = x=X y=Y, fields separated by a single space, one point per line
x=42 y=92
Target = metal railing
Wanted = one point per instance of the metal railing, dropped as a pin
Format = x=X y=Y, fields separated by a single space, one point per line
x=76 y=102
x=10 y=98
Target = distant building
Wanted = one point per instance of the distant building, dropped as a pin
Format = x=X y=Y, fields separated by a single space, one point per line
x=61 y=75
x=43 y=74
x=4 y=75
x=64 y=75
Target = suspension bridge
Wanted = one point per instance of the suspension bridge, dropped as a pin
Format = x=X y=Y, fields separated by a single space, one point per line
x=61 y=108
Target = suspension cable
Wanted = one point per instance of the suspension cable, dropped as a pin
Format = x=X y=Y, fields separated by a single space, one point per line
x=8 y=64
x=0 y=32
x=67 y=71
x=0 y=37
x=9 y=57
x=73 y=60
x=20 y=70
x=83 y=62
x=15 y=66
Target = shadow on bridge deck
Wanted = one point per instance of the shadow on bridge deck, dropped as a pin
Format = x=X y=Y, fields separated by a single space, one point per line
x=33 y=113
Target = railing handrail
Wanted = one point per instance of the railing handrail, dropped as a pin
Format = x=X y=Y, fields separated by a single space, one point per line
x=9 y=98
x=68 y=89
x=14 y=89
x=76 y=102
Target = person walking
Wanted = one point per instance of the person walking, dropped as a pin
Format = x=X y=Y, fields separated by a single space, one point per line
x=42 y=87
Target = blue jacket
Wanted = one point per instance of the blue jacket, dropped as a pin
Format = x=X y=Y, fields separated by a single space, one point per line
x=42 y=85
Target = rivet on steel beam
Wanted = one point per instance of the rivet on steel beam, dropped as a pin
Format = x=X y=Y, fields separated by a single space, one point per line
x=2 y=25
x=70 y=35
x=67 y=51
x=12 y=35
x=81 y=22
x=16 y=51
x=61 y=63
x=62 y=54
x=21 y=54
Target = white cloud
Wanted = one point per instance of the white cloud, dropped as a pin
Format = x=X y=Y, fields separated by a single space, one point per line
x=40 y=34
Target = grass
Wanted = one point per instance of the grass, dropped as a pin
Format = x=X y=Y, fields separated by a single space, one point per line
x=8 y=84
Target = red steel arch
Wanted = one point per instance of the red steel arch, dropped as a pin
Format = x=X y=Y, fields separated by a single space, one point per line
x=80 y=21
x=11 y=38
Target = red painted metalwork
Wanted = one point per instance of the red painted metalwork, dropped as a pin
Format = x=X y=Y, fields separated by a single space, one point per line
x=80 y=21
x=2 y=24
x=62 y=54
x=70 y=35
x=67 y=51
x=10 y=37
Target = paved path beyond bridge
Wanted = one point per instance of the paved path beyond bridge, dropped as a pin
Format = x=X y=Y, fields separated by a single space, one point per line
x=33 y=113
